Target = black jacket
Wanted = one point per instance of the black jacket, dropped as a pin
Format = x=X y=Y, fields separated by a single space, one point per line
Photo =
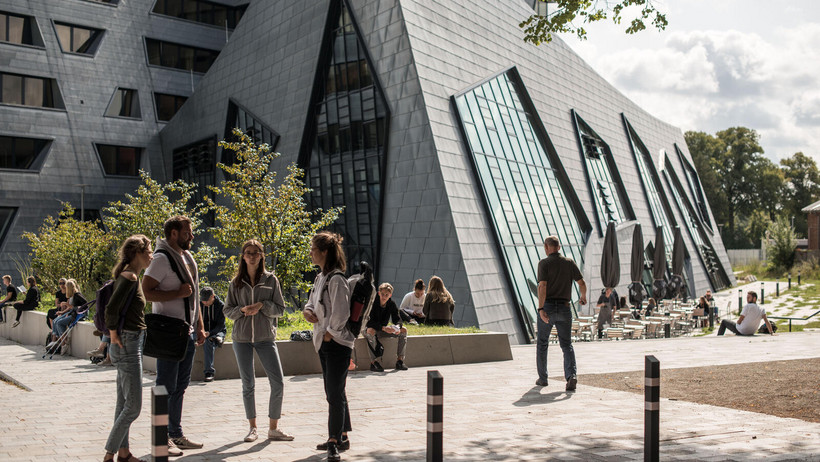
x=214 y=318
x=380 y=316
x=32 y=300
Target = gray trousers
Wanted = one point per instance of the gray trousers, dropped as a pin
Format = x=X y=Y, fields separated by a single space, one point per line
x=269 y=357
x=371 y=339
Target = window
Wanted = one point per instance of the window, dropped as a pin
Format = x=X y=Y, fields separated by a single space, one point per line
x=697 y=190
x=344 y=162
x=606 y=187
x=125 y=103
x=540 y=7
x=30 y=91
x=20 y=29
x=6 y=218
x=239 y=117
x=78 y=39
x=526 y=191
x=201 y=11
x=167 y=54
x=196 y=163
x=21 y=153
x=108 y=2
x=168 y=105
x=120 y=160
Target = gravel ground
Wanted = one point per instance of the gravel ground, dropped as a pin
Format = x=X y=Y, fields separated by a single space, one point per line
x=779 y=388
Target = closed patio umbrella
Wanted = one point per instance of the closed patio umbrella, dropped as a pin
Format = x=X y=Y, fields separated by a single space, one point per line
x=610 y=260
x=637 y=292
x=678 y=251
x=659 y=266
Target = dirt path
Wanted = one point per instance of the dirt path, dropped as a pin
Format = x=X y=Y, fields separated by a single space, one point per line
x=779 y=388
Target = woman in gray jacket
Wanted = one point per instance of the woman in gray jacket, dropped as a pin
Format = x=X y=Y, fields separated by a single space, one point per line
x=255 y=303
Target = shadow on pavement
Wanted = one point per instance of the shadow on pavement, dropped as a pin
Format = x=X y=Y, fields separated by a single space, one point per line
x=534 y=396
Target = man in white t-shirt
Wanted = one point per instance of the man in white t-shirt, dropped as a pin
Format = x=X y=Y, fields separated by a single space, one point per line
x=413 y=302
x=749 y=319
x=168 y=293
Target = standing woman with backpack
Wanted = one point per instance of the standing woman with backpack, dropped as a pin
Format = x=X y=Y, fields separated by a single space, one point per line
x=125 y=311
x=328 y=308
x=255 y=304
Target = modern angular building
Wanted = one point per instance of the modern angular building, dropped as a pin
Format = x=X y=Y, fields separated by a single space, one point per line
x=454 y=146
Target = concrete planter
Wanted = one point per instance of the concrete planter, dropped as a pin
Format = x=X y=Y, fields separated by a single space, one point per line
x=297 y=357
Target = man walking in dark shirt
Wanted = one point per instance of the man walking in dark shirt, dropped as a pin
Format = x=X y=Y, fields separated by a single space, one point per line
x=555 y=276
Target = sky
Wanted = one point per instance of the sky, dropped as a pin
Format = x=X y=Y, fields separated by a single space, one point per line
x=721 y=64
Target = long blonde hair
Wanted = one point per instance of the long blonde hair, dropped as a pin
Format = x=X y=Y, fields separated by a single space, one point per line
x=437 y=292
x=71 y=288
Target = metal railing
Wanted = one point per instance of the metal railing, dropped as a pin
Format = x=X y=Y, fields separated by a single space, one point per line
x=795 y=319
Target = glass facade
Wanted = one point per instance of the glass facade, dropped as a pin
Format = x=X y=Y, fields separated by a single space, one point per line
x=119 y=160
x=239 y=117
x=21 y=153
x=697 y=190
x=606 y=187
x=714 y=269
x=201 y=11
x=15 y=28
x=196 y=163
x=77 y=39
x=526 y=191
x=6 y=217
x=124 y=103
x=176 y=56
x=346 y=152
x=167 y=105
x=25 y=90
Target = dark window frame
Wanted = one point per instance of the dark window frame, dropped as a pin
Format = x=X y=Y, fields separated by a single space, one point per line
x=109 y=3
x=36 y=35
x=140 y=151
x=136 y=97
x=693 y=179
x=6 y=226
x=51 y=92
x=155 y=100
x=227 y=156
x=96 y=40
x=39 y=156
x=233 y=14
x=179 y=55
x=211 y=142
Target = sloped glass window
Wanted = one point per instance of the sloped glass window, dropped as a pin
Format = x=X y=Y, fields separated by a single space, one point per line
x=606 y=187
x=21 y=153
x=6 y=218
x=19 y=29
x=124 y=103
x=78 y=39
x=176 y=56
x=196 y=163
x=30 y=91
x=697 y=190
x=168 y=105
x=201 y=11
x=345 y=160
x=714 y=268
x=120 y=160
x=525 y=188
x=239 y=117
x=108 y=2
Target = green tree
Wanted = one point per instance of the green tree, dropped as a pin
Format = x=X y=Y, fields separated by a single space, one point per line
x=275 y=214
x=782 y=242
x=540 y=27
x=802 y=188
x=145 y=212
x=65 y=247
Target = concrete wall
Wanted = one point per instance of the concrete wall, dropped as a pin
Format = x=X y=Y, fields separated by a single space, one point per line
x=297 y=357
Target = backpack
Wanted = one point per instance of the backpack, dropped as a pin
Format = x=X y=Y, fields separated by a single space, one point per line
x=362 y=294
x=104 y=294
x=765 y=330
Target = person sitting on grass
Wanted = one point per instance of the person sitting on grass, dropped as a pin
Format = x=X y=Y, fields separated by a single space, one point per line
x=30 y=303
x=438 y=304
x=413 y=303
x=384 y=311
x=749 y=319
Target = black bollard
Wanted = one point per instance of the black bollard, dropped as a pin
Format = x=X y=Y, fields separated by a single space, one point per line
x=790 y=280
x=667 y=330
x=798 y=278
x=435 y=416
x=159 y=424
x=762 y=298
x=777 y=287
x=652 y=430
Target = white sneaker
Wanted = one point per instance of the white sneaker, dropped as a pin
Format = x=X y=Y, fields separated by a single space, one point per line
x=252 y=435
x=278 y=435
x=173 y=450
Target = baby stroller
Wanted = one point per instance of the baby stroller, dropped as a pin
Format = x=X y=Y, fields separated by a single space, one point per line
x=80 y=314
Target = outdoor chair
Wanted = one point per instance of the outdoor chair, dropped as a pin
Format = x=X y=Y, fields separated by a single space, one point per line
x=614 y=333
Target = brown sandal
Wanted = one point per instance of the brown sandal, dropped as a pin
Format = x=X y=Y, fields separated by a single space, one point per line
x=127 y=458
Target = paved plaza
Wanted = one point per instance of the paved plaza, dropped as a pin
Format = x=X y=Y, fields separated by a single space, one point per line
x=493 y=411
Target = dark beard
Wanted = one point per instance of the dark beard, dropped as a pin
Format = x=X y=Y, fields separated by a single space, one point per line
x=184 y=245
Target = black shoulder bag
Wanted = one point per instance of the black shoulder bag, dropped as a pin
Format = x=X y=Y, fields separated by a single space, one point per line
x=167 y=337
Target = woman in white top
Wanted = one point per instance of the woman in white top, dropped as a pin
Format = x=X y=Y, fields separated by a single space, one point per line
x=328 y=308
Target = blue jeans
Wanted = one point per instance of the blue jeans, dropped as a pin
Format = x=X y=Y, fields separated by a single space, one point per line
x=176 y=376
x=560 y=317
x=208 y=351
x=335 y=359
x=128 y=361
x=269 y=356
x=61 y=323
